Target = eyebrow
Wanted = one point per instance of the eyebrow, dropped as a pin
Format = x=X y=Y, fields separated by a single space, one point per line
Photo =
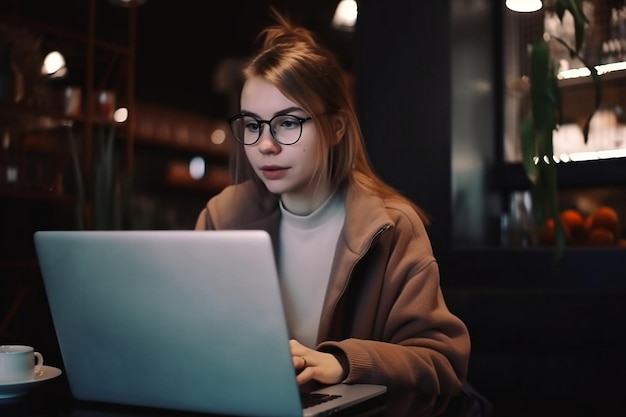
x=283 y=111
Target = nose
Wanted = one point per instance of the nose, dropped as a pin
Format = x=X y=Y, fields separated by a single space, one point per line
x=266 y=143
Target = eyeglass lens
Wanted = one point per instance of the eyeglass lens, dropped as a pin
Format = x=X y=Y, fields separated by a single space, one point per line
x=286 y=129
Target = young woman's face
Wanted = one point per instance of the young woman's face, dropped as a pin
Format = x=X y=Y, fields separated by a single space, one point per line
x=284 y=169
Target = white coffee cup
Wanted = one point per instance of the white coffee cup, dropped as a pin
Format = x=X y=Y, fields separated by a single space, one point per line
x=19 y=363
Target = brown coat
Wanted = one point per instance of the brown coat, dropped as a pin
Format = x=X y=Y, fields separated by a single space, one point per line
x=384 y=307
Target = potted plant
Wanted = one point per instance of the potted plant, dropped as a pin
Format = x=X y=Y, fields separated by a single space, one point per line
x=545 y=116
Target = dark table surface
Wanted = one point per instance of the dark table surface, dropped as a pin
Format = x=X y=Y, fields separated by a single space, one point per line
x=53 y=399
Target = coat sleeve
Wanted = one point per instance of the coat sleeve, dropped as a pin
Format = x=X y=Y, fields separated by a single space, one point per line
x=419 y=344
x=203 y=222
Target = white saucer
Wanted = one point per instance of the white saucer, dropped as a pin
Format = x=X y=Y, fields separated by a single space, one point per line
x=14 y=389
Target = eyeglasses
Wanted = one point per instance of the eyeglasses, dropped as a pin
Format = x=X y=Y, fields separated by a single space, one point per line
x=286 y=129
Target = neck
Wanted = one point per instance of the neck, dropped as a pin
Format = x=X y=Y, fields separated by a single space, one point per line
x=303 y=205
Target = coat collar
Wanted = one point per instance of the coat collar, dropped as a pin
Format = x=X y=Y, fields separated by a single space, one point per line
x=366 y=216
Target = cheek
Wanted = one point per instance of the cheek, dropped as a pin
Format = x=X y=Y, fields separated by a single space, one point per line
x=248 y=152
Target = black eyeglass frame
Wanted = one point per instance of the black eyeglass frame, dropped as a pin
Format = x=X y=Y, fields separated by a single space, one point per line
x=300 y=120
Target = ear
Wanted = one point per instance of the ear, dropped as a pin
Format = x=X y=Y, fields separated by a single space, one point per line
x=339 y=126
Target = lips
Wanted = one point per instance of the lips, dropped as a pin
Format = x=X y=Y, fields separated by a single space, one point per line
x=272 y=172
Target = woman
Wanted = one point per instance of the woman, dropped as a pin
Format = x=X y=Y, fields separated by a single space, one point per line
x=359 y=280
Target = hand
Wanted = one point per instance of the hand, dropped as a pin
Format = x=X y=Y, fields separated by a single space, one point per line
x=320 y=366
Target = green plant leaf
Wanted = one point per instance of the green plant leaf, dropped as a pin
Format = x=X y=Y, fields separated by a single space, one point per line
x=539 y=86
x=529 y=148
x=559 y=239
x=552 y=208
x=580 y=20
x=597 y=86
x=538 y=196
x=546 y=114
x=544 y=146
x=560 y=9
x=555 y=99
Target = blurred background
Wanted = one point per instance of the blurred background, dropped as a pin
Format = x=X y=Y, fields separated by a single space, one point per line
x=128 y=132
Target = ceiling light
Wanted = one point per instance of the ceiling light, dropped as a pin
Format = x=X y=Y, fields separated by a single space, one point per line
x=345 y=15
x=524 y=5
x=120 y=115
x=54 y=65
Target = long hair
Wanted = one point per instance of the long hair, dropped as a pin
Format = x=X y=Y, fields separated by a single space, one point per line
x=307 y=73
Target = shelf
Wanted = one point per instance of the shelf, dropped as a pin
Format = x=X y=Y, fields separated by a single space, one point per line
x=98 y=41
x=180 y=131
x=609 y=77
x=512 y=177
x=167 y=133
x=49 y=118
x=188 y=149
x=214 y=180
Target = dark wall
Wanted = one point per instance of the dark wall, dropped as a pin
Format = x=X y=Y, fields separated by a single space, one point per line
x=426 y=91
x=403 y=97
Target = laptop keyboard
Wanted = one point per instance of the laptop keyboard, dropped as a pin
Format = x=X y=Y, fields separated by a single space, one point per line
x=309 y=399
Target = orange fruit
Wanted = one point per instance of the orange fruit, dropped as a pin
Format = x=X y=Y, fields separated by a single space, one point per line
x=600 y=236
x=572 y=218
x=547 y=233
x=607 y=218
x=574 y=224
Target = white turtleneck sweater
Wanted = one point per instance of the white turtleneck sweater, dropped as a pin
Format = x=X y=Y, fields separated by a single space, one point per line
x=307 y=249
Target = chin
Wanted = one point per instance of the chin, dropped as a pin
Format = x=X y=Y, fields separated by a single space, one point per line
x=275 y=188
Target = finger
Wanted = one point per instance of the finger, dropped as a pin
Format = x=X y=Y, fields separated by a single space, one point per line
x=302 y=355
x=297 y=349
x=304 y=376
x=299 y=362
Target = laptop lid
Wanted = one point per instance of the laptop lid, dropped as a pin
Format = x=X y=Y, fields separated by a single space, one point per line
x=186 y=320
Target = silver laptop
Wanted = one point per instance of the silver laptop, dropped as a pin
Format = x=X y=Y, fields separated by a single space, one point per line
x=182 y=320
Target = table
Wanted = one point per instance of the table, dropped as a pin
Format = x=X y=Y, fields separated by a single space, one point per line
x=53 y=399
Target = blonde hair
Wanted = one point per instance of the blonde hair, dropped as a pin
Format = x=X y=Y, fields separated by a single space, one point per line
x=307 y=73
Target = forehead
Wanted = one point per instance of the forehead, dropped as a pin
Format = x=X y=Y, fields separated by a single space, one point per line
x=263 y=98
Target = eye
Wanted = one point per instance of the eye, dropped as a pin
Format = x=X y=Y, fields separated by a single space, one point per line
x=289 y=122
x=251 y=125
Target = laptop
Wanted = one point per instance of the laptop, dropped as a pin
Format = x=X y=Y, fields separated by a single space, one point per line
x=179 y=320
